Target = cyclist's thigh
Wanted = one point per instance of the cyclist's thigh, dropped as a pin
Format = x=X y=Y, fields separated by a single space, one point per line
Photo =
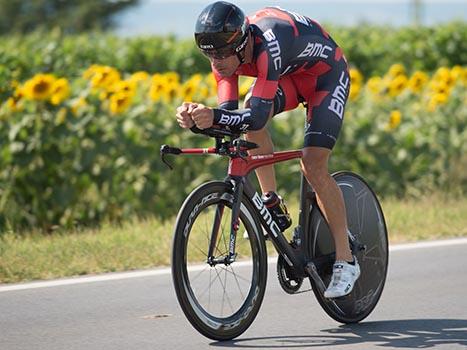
x=325 y=108
x=286 y=97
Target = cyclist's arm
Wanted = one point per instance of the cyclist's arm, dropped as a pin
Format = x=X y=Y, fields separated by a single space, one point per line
x=255 y=117
x=227 y=90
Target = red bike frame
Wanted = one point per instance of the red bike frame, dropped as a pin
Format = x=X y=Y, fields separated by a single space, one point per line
x=239 y=168
x=243 y=166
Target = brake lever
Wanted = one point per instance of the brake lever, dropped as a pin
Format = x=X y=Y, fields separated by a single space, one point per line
x=166 y=149
x=166 y=162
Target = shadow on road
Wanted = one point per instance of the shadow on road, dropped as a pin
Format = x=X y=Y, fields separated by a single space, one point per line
x=410 y=334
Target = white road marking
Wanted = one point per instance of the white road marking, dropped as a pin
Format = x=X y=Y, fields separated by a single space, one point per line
x=166 y=271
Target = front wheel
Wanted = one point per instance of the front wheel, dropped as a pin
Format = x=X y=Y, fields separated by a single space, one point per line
x=366 y=222
x=219 y=299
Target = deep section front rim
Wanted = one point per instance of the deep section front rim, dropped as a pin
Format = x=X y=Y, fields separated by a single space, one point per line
x=222 y=300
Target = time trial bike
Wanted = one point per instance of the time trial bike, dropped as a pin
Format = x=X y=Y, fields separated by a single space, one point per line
x=219 y=258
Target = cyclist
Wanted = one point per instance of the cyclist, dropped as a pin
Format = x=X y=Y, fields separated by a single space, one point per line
x=294 y=61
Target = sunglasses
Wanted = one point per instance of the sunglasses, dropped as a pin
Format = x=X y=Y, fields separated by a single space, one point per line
x=225 y=52
x=219 y=54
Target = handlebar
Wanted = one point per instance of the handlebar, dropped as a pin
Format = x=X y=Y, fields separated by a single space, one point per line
x=235 y=147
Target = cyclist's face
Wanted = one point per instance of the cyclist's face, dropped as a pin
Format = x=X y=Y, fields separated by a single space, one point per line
x=225 y=66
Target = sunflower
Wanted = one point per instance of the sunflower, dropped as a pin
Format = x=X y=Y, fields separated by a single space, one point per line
x=440 y=98
x=105 y=77
x=355 y=76
x=417 y=81
x=14 y=102
x=375 y=85
x=60 y=91
x=171 y=77
x=171 y=92
x=188 y=90
x=444 y=74
x=397 y=85
x=119 y=102
x=394 y=119
x=464 y=76
x=196 y=79
x=440 y=87
x=93 y=69
x=126 y=86
x=212 y=84
x=204 y=92
x=436 y=100
x=139 y=76
x=39 y=87
x=396 y=70
x=457 y=73
x=157 y=89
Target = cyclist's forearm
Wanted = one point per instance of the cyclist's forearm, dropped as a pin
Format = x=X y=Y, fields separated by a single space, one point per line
x=229 y=105
x=254 y=118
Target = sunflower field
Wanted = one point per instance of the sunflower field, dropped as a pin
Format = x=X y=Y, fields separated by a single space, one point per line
x=84 y=150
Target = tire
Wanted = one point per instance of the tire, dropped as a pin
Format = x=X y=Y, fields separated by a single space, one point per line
x=221 y=301
x=366 y=221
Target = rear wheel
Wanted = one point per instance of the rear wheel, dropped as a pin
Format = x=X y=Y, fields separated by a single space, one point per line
x=366 y=222
x=222 y=299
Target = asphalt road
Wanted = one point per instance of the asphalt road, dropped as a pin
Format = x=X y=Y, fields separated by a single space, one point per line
x=424 y=305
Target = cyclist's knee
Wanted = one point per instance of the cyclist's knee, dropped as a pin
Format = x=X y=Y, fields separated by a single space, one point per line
x=256 y=134
x=315 y=165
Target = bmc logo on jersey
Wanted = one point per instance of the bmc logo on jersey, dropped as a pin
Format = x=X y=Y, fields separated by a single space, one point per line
x=315 y=50
x=274 y=48
x=233 y=119
x=339 y=96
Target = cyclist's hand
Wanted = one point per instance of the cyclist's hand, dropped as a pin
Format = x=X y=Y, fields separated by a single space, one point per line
x=184 y=114
x=203 y=116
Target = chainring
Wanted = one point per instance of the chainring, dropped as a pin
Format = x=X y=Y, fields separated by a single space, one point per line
x=289 y=283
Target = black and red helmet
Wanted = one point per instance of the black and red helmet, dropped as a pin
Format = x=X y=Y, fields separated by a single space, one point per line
x=221 y=30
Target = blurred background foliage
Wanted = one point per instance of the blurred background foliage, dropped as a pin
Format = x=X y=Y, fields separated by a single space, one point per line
x=83 y=150
x=371 y=49
x=83 y=114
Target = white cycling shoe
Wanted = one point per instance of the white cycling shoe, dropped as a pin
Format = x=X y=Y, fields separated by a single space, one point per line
x=344 y=276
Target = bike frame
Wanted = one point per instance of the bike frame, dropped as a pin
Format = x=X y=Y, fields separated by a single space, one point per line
x=238 y=171
x=308 y=254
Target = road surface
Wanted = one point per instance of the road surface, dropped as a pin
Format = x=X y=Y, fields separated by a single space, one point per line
x=424 y=305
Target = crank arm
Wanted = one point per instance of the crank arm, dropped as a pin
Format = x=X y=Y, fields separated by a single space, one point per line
x=310 y=268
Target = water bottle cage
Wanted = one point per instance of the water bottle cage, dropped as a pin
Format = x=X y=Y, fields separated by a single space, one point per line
x=282 y=219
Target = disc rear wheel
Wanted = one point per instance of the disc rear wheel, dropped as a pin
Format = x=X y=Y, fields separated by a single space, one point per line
x=366 y=222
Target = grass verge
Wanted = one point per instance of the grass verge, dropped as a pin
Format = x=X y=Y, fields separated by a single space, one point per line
x=147 y=243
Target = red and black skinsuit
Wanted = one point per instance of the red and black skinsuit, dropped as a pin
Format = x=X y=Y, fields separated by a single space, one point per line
x=295 y=61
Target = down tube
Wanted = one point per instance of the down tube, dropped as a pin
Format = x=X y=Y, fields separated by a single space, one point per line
x=292 y=257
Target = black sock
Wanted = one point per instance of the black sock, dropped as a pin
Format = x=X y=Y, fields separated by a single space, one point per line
x=352 y=262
